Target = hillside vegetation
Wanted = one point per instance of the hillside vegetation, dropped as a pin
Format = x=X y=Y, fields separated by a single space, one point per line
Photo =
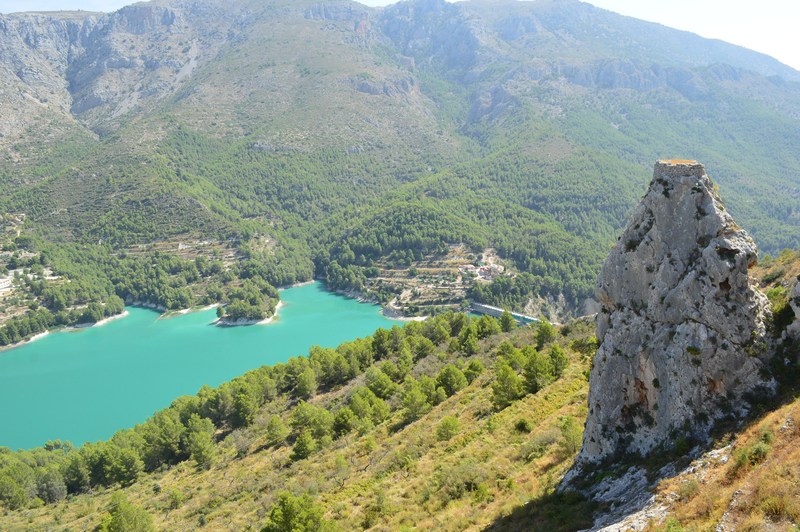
x=351 y=138
x=401 y=429
x=453 y=423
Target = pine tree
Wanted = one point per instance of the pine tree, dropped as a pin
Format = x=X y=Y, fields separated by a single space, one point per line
x=507 y=386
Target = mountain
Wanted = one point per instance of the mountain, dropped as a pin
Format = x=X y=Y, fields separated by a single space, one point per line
x=454 y=423
x=179 y=152
x=513 y=126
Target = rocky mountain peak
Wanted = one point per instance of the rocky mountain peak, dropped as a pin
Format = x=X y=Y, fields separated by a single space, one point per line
x=682 y=328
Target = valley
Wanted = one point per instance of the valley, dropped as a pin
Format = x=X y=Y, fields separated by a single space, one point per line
x=163 y=126
x=84 y=385
x=295 y=164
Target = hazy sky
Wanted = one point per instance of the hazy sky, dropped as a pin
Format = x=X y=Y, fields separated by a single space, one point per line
x=768 y=26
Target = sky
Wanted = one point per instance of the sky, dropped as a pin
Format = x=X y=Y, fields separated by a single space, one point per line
x=767 y=26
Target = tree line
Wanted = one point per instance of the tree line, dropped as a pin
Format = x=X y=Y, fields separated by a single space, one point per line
x=193 y=426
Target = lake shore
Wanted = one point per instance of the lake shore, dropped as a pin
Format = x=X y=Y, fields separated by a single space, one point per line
x=220 y=322
x=37 y=336
x=99 y=323
x=77 y=327
x=173 y=313
x=298 y=285
x=395 y=314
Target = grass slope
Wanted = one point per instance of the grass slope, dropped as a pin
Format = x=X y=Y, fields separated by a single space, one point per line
x=392 y=476
x=468 y=462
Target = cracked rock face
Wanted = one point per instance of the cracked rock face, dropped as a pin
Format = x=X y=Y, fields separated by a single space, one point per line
x=681 y=329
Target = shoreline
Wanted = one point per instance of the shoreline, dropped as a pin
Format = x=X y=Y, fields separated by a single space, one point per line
x=298 y=285
x=394 y=314
x=23 y=342
x=147 y=305
x=240 y=323
x=37 y=336
x=68 y=328
x=182 y=312
x=387 y=311
x=99 y=323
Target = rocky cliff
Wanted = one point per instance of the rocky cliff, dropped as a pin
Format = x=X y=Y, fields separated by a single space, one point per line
x=97 y=67
x=682 y=328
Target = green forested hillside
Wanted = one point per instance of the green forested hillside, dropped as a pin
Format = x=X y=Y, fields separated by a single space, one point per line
x=334 y=135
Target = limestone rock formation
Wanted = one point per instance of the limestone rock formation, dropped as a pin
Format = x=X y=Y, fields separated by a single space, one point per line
x=682 y=328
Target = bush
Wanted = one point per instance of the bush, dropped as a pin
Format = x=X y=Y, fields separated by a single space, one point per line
x=307 y=417
x=688 y=489
x=175 y=499
x=752 y=455
x=538 y=372
x=571 y=436
x=473 y=370
x=673 y=525
x=457 y=480
x=379 y=383
x=523 y=425
x=448 y=427
x=538 y=445
x=507 y=386
x=277 y=431
x=125 y=517
x=415 y=402
x=545 y=334
x=295 y=513
x=558 y=360
x=304 y=446
x=451 y=379
x=51 y=487
x=12 y=494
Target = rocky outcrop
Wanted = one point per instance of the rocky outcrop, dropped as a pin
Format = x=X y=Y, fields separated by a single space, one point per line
x=682 y=328
x=405 y=86
x=491 y=104
x=99 y=67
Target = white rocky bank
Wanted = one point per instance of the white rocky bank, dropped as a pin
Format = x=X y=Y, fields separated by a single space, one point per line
x=682 y=328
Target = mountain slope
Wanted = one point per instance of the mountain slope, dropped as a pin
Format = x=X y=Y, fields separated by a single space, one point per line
x=244 y=118
x=488 y=450
x=390 y=466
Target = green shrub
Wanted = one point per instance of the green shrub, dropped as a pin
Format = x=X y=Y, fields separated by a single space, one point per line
x=447 y=428
x=296 y=513
x=457 y=480
x=304 y=446
x=752 y=455
x=523 y=425
x=538 y=445
x=688 y=489
x=571 y=436
x=125 y=517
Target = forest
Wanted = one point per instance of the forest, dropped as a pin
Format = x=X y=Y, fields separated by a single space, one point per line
x=92 y=282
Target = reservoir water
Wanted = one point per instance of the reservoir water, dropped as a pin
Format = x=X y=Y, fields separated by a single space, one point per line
x=85 y=385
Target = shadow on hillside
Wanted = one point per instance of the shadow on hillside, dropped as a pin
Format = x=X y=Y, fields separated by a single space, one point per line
x=556 y=512
x=625 y=488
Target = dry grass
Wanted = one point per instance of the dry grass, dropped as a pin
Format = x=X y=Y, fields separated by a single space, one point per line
x=756 y=488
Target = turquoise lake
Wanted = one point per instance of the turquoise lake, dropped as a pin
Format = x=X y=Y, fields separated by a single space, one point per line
x=85 y=385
